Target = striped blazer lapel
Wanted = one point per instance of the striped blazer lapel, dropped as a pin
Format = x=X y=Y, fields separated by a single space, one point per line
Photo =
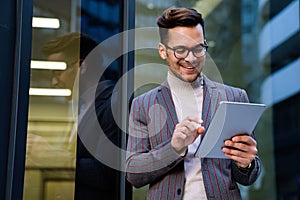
x=164 y=98
x=210 y=101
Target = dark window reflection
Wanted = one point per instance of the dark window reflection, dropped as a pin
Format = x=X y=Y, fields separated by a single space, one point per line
x=287 y=142
x=95 y=179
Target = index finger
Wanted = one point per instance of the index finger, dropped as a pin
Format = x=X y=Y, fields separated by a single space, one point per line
x=194 y=119
x=245 y=138
x=197 y=124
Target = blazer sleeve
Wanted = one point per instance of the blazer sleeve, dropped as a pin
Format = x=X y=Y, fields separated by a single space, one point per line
x=246 y=176
x=144 y=163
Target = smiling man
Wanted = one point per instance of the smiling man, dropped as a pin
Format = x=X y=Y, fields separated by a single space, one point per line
x=166 y=124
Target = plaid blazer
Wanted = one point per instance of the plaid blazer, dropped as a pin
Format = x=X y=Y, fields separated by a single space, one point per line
x=151 y=159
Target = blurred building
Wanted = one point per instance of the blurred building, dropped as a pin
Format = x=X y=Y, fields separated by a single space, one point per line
x=279 y=55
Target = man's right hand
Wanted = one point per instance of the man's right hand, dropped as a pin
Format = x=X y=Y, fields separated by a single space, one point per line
x=185 y=133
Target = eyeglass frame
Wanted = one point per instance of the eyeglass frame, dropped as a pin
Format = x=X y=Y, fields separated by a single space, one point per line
x=204 y=47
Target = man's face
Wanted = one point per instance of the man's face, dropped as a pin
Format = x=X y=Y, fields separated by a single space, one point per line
x=189 y=68
x=64 y=78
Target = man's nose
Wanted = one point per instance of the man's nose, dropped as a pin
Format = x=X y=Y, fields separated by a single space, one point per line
x=190 y=57
x=54 y=81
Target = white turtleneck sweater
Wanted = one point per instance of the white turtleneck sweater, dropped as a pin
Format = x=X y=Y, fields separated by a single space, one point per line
x=188 y=98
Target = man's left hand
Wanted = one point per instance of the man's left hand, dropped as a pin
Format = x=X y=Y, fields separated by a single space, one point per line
x=242 y=149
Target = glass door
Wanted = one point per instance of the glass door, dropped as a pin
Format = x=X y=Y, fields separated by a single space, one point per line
x=51 y=143
x=72 y=91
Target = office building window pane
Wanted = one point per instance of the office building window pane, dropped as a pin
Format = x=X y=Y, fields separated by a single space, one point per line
x=59 y=164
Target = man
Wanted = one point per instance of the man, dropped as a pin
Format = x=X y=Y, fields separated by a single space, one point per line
x=165 y=123
x=93 y=179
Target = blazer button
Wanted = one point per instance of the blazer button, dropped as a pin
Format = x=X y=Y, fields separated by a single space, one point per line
x=178 y=191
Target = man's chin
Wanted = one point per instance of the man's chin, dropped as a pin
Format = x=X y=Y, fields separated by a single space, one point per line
x=189 y=78
x=186 y=78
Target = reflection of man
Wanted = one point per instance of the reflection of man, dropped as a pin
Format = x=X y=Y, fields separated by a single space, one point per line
x=68 y=49
x=165 y=123
x=94 y=180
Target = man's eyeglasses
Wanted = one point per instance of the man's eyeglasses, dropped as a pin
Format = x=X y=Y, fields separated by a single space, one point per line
x=181 y=52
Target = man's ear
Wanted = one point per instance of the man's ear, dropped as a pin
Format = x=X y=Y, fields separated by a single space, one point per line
x=162 y=51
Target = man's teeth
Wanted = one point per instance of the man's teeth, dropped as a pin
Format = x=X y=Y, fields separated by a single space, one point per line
x=187 y=67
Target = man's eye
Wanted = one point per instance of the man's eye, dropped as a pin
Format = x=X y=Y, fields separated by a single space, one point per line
x=198 y=50
x=180 y=51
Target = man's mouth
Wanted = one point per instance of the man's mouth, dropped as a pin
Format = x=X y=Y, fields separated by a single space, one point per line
x=188 y=67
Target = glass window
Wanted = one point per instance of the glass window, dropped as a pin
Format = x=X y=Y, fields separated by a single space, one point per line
x=51 y=143
x=72 y=92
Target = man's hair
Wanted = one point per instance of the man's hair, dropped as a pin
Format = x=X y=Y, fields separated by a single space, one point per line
x=73 y=45
x=173 y=17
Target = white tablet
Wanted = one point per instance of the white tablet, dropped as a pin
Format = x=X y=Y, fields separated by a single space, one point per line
x=230 y=119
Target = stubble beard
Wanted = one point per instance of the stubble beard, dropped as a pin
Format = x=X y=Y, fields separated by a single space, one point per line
x=181 y=77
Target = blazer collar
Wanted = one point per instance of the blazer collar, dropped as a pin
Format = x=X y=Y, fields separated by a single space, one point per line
x=210 y=102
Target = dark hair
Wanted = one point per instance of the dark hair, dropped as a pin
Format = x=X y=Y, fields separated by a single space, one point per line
x=173 y=17
x=73 y=45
